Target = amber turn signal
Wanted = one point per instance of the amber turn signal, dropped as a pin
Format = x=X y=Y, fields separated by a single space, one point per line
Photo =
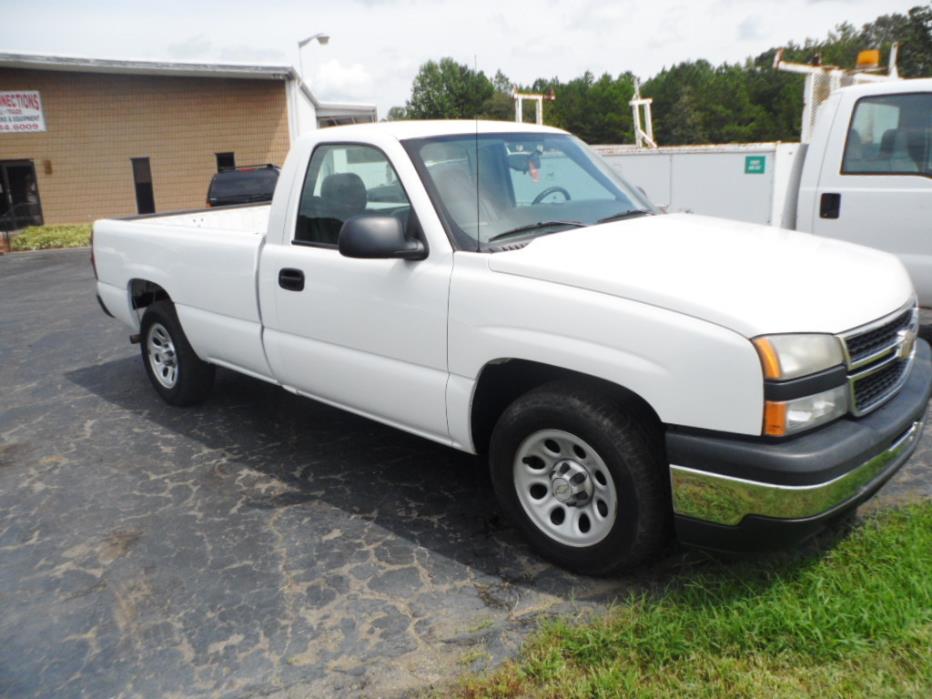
x=774 y=419
x=768 y=358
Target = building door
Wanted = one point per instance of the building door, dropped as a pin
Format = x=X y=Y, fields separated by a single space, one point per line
x=19 y=195
x=142 y=178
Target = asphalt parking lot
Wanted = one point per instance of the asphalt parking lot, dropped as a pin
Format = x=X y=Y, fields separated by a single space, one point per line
x=257 y=544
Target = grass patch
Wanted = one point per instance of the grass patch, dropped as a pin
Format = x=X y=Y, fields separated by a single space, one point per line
x=48 y=237
x=853 y=621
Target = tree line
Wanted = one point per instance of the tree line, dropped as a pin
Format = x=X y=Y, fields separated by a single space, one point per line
x=693 y=101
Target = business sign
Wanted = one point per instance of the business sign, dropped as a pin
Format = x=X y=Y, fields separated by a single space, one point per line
x=21 y=112
x=755 y=164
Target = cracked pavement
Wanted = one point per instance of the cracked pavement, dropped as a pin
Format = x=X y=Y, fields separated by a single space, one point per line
x=257 y=544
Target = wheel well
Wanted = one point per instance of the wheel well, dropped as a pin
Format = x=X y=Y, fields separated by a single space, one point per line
x=144 y=293
x=500 y=383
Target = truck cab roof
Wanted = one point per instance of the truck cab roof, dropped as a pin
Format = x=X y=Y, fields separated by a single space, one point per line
x=408 y=129
x=883 y=87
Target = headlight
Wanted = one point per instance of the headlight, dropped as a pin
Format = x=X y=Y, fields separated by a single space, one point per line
x=791 y=356
x=787 y=357
x=788 y=417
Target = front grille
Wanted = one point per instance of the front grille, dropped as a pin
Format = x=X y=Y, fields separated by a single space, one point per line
x=875 y=388
x=871 y=341
x=879 y=356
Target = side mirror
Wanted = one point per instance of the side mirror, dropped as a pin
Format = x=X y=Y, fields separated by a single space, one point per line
x=378 y=238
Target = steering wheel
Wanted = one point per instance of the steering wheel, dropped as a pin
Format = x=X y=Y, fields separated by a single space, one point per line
x=551 y=190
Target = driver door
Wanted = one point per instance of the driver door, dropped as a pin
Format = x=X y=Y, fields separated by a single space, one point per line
x=366 y=335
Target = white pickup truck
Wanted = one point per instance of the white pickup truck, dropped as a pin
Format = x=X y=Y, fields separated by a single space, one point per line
x=864 y=175
x=498 y=289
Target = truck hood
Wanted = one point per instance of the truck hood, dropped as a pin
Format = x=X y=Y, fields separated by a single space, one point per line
x=752 y=279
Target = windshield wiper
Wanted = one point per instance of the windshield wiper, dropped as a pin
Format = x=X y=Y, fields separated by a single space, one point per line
x=534 y=227
x=631 y=213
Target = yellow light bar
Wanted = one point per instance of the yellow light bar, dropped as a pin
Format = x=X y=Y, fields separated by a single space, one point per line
x=869 y=59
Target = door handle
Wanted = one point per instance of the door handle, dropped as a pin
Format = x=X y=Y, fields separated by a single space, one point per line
x=291 y=279
x=829 y=205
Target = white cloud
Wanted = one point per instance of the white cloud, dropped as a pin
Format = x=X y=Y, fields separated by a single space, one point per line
x=245 y=53
x=752 y=29
x=198 y=46
x=334 y=80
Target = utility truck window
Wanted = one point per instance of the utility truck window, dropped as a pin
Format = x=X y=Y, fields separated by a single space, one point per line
x=496 y=190
x=890 y=134
x=343 y=181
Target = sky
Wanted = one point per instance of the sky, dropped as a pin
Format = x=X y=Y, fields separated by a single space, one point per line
x=377 y=46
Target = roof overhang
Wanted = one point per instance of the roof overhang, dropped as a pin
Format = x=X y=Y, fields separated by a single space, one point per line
x=137 y=67
x=336 y=112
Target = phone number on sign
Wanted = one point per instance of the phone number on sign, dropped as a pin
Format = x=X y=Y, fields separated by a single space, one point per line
x=19 y=127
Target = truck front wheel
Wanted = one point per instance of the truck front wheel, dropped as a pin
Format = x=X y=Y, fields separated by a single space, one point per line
x=179 y=376
x=583 y=478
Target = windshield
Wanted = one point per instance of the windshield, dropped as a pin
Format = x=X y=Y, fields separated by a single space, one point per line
x=497 y=189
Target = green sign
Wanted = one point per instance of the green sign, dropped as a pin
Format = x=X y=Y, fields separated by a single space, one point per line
x=755 y=164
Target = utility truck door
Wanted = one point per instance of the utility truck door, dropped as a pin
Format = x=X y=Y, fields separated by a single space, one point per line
x=875 y=187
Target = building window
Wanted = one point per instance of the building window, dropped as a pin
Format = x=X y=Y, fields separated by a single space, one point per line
x=225 y=161
x=142 y=178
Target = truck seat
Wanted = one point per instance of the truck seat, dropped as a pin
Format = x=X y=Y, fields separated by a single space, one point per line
x=342 y=196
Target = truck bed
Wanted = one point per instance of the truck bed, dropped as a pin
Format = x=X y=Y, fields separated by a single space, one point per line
x=208 y=259
x=242 y=219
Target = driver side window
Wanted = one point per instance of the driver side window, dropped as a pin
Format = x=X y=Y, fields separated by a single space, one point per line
x=342 y=181
x=890 y=135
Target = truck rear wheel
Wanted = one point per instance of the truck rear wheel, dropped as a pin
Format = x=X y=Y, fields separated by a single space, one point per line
x=582 y=478
x=179 y=376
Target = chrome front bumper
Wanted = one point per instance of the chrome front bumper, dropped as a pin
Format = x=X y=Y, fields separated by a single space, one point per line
x=727 y=500
x=737 y=493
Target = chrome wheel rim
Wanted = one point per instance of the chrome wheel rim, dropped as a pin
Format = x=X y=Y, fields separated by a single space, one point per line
x=565 y=488
x=162 y=358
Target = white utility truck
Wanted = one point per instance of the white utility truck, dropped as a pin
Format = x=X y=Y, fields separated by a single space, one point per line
x=863 y=173
x=498 y=289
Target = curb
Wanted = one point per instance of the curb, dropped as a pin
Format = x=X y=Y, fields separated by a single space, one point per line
x=17 y=253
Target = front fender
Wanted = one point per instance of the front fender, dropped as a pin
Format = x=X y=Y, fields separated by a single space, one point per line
x=691 y=372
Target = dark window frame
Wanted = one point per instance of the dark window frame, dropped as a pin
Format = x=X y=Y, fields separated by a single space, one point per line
x=872 y=173
x=231 y=166
x=137 y=183
x=415 y=223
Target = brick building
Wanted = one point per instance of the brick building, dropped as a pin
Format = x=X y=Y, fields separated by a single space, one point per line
x=82 y=139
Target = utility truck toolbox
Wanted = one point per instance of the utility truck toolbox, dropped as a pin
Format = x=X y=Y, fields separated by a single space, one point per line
x=497 y=288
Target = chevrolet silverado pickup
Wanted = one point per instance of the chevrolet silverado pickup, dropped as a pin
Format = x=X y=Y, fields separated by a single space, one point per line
x=497 y=288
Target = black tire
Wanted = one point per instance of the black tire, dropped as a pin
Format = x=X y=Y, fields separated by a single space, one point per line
x=193 y=378
x=628 y=445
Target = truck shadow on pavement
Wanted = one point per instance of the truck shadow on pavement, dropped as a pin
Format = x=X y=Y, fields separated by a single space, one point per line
x=249 y=432
x=428 y=494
